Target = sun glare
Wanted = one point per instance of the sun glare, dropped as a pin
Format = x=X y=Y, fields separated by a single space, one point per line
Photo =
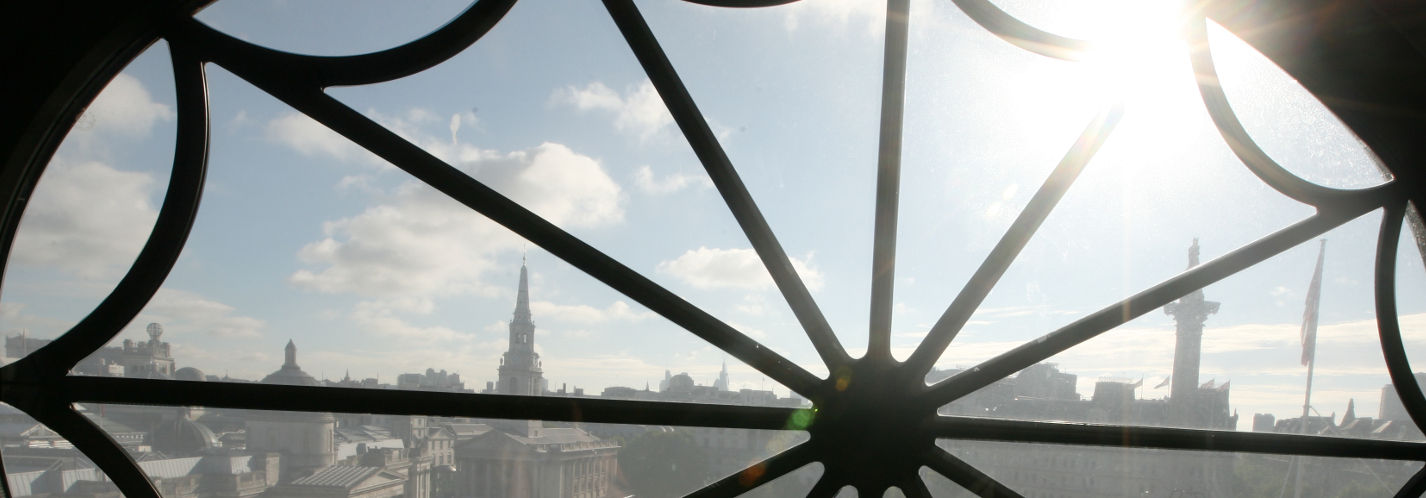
x=1139 y=53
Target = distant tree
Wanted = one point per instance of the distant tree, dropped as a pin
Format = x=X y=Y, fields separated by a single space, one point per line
x=663 y=465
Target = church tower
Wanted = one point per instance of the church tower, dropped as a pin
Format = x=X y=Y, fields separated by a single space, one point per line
x=1189 y=314
x=520 y=366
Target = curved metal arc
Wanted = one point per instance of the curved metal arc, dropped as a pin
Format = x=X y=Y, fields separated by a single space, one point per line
x=1237 y=137
x=1020 y=34
x=1414 y=487
x=725 y=178
x=116 y=390
x=758 y=474
x=1148 y=300
x=888 y=179
x=100 y=448
x=1172 y=438
x=396 y=62
x=1393 y=349
x=967 y=476
x=165 y=242
x=742 y=4
x=1014 y=240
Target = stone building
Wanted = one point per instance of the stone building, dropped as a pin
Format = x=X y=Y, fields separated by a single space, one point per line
x=150 y=359
x=305 y=440
x=538 y=463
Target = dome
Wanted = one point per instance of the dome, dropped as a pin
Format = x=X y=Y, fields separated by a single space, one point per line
x=290 y=374
x=189 y=373
x=182 y=436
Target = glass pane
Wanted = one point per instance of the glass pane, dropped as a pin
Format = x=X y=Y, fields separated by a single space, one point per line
x=293 y=454
x=403 y=289
x=1063 y=470
x=93 y=207
x=1246 y=362
x=574 y=130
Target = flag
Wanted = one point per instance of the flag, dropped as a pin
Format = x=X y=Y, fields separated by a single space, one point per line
x=1139 y=383
x=1207 y=385
x=1224 y=387
x=1164 y=383
x=1309 y=315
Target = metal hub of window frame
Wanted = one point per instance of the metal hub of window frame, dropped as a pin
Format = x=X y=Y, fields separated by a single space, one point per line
x=859 y=442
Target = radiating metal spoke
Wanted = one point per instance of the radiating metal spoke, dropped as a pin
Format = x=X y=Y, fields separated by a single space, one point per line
x=1014 y=240
x=1388 y=322
x=967 y=476
x=401 y=402
x=1118 y=313
x=1172 y=438
x=725 y=178
x=888 y=178
x=99 y=447
x=757 y=474
x=165 y=241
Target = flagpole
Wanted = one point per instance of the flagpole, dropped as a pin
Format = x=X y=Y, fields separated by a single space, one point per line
x=1309 y=349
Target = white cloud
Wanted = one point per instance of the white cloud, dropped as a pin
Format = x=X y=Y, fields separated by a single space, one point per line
x=86 y=218
x=731 y=268
x=646 y=182
x=838 y=14
x=639 y=110
x=183 y=312
x=423 y=243
x=124 y=108
x=585 y=314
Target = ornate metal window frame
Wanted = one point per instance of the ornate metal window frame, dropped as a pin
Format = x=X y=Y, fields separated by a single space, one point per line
x=1356 y=59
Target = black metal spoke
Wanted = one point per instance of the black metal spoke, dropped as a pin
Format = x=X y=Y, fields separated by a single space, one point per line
x=967 y=476
x=401 y=402
x=1118 y=313
x=757 y=474
x=725 y=178
x=99 y=447
x=888 y=178
x=1172 y=438
x=1022 y=35
x=475 y=195
x=1014 y=240
x=1388 y=323
x=165 y=241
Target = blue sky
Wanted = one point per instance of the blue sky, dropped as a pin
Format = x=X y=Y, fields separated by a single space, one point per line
x=303 y=235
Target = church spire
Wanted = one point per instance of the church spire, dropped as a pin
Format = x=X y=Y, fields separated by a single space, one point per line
x=522 y=298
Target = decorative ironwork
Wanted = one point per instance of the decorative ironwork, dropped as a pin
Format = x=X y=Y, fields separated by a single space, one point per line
x=860 y=443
